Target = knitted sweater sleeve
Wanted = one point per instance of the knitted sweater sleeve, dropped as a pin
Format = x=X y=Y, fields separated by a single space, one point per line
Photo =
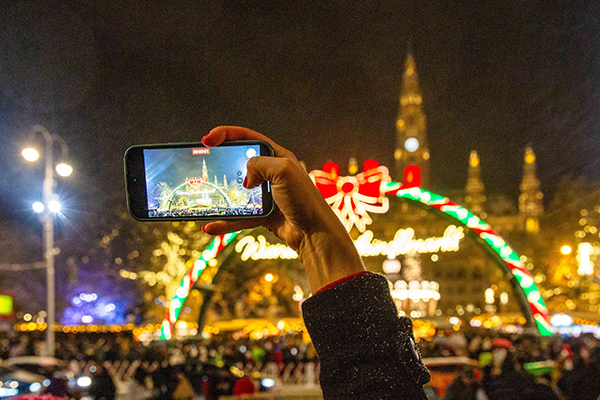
x=366 y=351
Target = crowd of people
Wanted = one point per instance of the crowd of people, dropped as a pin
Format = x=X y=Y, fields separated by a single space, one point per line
x=176 y=369
x=223 y=365
x=519 y=366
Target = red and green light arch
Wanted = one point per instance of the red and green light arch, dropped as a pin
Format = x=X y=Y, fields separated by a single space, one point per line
x=529 y=296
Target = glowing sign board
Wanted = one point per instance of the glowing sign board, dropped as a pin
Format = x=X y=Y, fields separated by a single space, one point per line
x=404 y=242
x=6 y=304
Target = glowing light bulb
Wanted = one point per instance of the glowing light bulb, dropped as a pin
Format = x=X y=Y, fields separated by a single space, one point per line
x=64 y=169
x=54 y=206
x=566 y=250
x=30 y=154
x=38 y=207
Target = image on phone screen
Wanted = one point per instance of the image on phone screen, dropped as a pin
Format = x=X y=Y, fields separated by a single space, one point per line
x=193 y=182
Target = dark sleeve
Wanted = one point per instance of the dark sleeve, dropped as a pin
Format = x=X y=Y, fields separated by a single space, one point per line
x=366 y=351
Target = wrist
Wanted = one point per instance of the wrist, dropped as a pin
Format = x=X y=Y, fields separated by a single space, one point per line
x=327 y=256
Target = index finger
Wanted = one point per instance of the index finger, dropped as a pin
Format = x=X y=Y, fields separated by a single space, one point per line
x=221 y=134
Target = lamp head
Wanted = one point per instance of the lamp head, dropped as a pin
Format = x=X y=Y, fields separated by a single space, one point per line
x=64 y=169
x=30 y=154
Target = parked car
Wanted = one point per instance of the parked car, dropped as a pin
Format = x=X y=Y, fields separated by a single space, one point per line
x=16 y=382
x=55 y=372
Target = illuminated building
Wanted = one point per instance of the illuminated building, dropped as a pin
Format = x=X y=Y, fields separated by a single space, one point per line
x=475 y=189
x=530 y=200
x=463 y=276
x=411 y=126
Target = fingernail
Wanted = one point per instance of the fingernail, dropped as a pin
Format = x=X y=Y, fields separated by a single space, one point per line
x=203 y=228
x=245 y=184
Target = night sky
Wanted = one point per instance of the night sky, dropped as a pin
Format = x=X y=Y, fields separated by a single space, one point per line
x=320 y=78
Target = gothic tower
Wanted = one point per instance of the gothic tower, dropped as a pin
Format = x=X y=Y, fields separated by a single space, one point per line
x=411 y=129
x=475 y=188
x=530 y=200
x=204 y=171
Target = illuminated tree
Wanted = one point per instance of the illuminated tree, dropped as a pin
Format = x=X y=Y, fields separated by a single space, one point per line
x=573 y=217
x=154 y=256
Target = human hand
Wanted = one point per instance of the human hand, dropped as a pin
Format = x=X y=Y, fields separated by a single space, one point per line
x=302 y=218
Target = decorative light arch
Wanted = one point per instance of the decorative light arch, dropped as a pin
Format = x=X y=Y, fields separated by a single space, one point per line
x=170 y=198
x=528 y=294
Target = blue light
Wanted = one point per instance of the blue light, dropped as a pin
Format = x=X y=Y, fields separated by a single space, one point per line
x=46 y=382
x=34 y=387
x=5 y=392
x=268 y=382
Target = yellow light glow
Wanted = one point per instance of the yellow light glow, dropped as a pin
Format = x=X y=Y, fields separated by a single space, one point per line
x=64 y=169
x=397 y=154
x=426 y=155
x=404 y=242
x=213 y=262
x=474 y=159
x=529 y=156
x=400 y=123
x=269 y=277
x=30 y=154
x=566 y=250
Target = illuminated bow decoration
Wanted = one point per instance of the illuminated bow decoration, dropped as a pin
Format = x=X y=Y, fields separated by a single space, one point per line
x=195 y=181
x=352 y=197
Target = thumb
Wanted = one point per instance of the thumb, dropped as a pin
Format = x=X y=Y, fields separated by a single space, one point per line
x=273 y=169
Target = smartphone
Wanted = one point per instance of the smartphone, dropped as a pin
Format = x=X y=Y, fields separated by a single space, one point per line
x=189 y=181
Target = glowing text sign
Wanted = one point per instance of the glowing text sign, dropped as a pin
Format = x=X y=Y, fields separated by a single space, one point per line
x=404 y=242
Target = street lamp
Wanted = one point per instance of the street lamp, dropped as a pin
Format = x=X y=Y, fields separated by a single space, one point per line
x=48 y=208
x=30 y=154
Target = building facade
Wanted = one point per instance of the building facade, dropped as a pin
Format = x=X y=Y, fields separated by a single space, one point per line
x=468 y=280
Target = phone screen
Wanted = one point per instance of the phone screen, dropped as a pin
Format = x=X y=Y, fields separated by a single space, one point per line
x=200 y=182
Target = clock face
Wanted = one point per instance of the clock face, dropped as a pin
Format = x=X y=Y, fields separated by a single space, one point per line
x=411 y=144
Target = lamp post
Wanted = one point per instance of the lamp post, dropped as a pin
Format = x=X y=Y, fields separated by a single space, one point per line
x=48 y=208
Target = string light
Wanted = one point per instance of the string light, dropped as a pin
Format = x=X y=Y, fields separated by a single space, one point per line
x=493 y=241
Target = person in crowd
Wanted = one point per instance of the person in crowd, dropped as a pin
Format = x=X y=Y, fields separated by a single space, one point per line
x=465 y=387
x=582 y=382
x=365 y=349
x=102 y=387
x=514 y=383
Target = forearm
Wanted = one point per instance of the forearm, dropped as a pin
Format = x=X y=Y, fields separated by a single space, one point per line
x=365 y=350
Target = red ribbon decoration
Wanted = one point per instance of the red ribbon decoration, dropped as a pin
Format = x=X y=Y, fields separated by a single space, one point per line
x=352 y=197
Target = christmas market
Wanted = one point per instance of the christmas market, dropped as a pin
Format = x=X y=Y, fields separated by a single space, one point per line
x=258 y=200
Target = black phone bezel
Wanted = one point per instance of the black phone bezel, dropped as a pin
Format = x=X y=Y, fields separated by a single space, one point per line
x=135 y=181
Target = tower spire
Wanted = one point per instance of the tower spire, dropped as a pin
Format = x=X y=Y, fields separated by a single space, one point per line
x=204 y=171
x=530 y=200
x=475 y=188
x=411 y=128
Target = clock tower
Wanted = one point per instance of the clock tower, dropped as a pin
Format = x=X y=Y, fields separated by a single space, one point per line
x=411 y=128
